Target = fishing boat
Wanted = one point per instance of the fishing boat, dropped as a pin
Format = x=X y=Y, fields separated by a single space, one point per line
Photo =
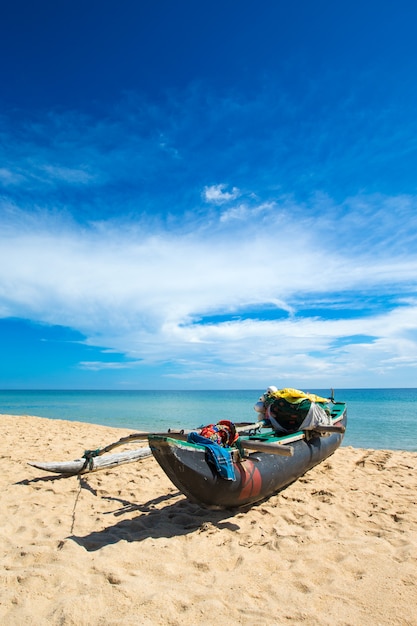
x=229 y=465
x=264 y=463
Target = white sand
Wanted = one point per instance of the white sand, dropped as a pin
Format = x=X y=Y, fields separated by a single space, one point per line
x=122 y=546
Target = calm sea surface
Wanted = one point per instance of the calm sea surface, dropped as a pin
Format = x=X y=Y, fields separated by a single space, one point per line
x=377 y=418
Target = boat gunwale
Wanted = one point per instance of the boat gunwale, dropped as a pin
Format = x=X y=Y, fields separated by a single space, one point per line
x=268 y=436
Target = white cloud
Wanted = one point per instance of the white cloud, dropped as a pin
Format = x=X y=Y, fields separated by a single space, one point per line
x=97 y=366
x=245 y=211
x=143 y=293
x=144 y=286
x=216 y=194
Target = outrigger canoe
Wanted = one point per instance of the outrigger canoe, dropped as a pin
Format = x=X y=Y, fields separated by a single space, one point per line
x=255 y=461
x=270 y=462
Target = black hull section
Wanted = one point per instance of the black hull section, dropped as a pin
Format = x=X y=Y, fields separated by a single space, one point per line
x=257 y=477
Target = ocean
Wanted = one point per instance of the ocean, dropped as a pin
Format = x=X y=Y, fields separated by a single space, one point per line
x=377 y=418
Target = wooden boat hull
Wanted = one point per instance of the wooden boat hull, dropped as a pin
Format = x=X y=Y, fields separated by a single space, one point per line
x=257 y=476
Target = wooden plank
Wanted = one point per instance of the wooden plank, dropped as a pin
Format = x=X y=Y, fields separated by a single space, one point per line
x=269 y=448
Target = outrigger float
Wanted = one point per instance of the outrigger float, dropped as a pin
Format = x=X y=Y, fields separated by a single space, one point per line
x=227 y=465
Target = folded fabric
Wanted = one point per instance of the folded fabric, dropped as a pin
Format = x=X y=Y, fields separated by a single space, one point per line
x=316 y=416
x=218 y=456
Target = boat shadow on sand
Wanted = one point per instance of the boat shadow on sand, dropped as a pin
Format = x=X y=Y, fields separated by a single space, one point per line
x=172 y=520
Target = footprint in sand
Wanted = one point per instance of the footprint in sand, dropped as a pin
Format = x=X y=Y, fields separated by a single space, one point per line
x=323 y=496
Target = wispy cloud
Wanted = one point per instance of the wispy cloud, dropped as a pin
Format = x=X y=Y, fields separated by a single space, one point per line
x=66 y=174
x=114 y=227
x=98 y=366
x=144 y=293
x=9 y=177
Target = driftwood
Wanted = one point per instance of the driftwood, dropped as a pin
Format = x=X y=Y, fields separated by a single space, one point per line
x=82 y=466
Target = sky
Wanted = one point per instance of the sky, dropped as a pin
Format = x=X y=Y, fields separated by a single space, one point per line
x=208 y=195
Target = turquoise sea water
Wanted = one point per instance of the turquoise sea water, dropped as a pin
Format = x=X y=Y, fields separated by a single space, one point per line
x=377 y=418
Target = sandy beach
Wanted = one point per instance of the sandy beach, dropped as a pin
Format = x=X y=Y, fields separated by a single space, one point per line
x=123 y=546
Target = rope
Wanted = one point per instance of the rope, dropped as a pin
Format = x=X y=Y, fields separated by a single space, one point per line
x=89 y=456
x=75 y=506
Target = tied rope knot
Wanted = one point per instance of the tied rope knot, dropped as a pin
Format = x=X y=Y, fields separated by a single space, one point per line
x=89 y=456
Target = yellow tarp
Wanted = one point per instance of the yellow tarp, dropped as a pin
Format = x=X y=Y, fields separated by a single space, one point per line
x=295 y=395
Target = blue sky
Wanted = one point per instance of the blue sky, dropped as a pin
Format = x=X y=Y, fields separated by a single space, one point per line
x=208 y=194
